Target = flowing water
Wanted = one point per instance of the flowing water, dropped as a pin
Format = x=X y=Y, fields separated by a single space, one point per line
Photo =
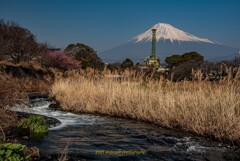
x=92 y=137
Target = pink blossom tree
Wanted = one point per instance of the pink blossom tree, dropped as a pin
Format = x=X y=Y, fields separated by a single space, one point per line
x=61 y=60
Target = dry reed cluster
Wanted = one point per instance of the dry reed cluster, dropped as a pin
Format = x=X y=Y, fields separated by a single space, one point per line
x=9 y=91
x=203 y=107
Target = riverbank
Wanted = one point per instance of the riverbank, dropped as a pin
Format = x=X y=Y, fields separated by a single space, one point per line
x=14 y=134
x=202 y=107
x=16 y=82
x=95 y=137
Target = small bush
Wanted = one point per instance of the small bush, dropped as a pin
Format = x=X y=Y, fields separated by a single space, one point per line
x=179 y=59
x=13 y=152
x=127 y=64
x=60 y=60
x=35 y=124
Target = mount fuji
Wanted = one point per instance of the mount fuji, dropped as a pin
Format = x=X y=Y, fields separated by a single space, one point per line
x=170 y=40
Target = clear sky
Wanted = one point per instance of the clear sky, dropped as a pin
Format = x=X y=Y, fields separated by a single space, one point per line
x=104 y=24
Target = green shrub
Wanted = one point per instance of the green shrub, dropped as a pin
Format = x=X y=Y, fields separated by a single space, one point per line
x=35 y=124
x=13 y=152
x=179 y=59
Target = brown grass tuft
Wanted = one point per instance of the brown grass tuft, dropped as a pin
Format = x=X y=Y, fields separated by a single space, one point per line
x=10 y=91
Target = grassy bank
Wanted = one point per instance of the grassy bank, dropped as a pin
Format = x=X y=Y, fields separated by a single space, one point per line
x=30 y=76
x=16 y=81
x=202 y=107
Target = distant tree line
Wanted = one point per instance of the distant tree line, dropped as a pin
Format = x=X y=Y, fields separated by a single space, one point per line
x=183 y=65
x=74 y=56
x=18 y=44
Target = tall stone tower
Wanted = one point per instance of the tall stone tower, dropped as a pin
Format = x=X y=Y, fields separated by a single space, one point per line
x=153 y=61
x=154 y=42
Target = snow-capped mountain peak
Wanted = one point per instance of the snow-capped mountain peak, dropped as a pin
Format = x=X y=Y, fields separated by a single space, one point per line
x=168 y=32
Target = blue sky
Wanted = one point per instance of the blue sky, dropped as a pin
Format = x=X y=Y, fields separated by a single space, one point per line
x=104 y=24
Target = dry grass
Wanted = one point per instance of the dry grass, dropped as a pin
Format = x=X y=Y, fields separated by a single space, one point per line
x=36 y=79
x=8 y=118
x=29 y=85
x=202 y=107
x=63 y=156
x=9 y=95
x=10 y=91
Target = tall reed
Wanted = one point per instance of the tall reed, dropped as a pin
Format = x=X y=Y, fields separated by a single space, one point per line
x=202 y=107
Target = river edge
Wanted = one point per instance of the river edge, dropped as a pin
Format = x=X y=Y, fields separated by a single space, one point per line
x=15 y=134
x=56 y=106
x=54 y=149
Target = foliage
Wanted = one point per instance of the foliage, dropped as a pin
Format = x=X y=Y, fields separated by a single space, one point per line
x=87 y=55
x=35 y=124
x=174 y=59
x=13 y=152
x=192 y=56
x=18 y=43
x=126 y=64
x=60 y=60
x=178 y=59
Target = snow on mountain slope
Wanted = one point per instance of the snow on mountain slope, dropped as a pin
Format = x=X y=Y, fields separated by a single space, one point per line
x=170 y=40
x=168 y=32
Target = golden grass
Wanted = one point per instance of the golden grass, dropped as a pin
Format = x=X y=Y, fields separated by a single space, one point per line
x=202 y=107
x=29 y=85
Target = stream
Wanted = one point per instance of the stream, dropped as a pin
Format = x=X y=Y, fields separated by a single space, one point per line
x=93 y=137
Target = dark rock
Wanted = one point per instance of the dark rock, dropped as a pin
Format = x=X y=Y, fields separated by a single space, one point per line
x=52 y=122
x=14 y=132
x=55 y=105
x=36 y=95
x=21 y=71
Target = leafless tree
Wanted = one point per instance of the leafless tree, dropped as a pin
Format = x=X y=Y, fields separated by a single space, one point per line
x=18 y=43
